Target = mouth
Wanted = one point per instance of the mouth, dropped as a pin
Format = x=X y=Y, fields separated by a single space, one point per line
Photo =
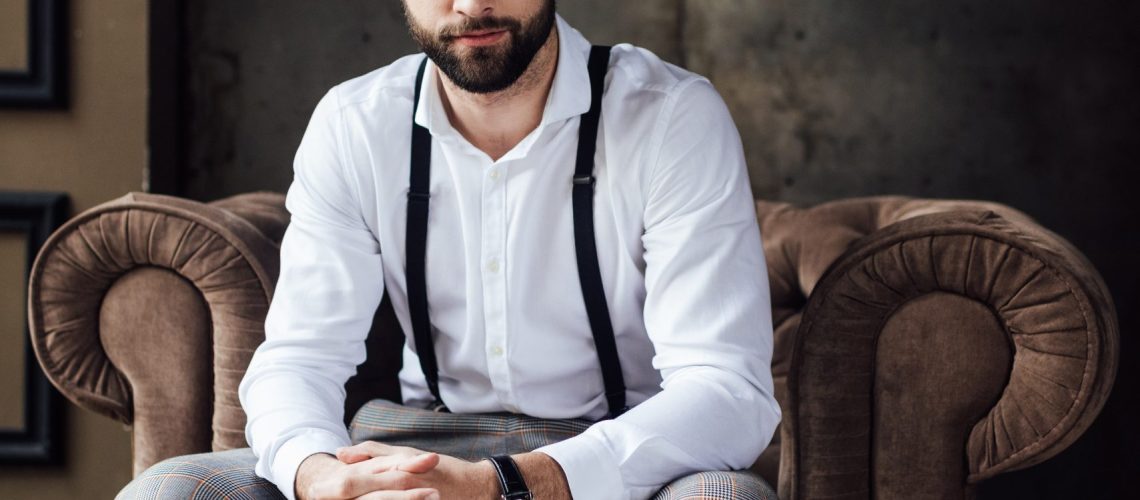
x=481 y=38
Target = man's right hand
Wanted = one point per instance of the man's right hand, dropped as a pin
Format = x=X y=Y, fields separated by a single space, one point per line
x=323 y=477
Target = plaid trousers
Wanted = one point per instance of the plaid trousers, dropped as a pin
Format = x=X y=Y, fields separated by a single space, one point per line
x=228 y=475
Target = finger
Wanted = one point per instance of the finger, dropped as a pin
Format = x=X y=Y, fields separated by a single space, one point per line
x=377 y=465
x=419 y=464
x=416 y=494
x=361 y=451
x=369 y=449
x=351 y=457
x=357 y=483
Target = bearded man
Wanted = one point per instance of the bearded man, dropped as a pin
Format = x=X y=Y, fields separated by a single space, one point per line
x=591 y=259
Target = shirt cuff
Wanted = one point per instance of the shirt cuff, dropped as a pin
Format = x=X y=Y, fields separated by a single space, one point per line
x=294 y=451
x=590 y=468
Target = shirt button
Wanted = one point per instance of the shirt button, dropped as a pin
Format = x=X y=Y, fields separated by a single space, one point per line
x=497 y=351
x=495 y=175
x=493 y=266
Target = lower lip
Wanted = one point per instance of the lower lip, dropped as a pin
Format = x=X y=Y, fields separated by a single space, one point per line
x=481 y=40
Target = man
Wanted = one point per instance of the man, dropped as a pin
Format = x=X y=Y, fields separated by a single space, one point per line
x=514 y=322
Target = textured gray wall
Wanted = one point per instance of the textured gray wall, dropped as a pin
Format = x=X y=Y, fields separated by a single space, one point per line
x=973 y=98
x=1028 y=103
x=258 y=67
x=979 y=98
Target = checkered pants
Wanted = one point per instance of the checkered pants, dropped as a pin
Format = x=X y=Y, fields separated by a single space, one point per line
x=229 y=475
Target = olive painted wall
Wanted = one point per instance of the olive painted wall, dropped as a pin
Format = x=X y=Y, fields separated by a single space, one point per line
x=95 y=151
x=1023 y=102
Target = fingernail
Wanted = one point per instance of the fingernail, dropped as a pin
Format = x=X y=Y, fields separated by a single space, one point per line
x=433 y=496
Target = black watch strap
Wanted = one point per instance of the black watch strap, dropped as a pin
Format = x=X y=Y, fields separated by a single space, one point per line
x=510 y=479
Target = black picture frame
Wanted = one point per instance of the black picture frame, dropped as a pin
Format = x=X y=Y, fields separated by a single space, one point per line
x=36 y=215
x=44 y=82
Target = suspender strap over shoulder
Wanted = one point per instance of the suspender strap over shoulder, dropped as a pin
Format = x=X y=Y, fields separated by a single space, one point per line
x=416 y=247
x=589 y=273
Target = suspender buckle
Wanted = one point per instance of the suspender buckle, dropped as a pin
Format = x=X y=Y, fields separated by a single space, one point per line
x=584 y=180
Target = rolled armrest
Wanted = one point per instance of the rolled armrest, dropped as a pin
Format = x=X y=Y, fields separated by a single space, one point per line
x=942 y=343
x=147 y=309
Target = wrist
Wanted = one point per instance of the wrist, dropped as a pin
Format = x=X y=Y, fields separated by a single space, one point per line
x=512 y=484
x=485 y=479
x=312 y=468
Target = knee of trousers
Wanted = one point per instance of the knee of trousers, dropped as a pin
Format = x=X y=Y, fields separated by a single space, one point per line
x=207 y=476
x=736 y=485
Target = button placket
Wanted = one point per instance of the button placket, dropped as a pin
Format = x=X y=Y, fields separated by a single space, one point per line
x=494 y=283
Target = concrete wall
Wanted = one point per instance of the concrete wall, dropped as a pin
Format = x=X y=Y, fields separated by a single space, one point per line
x=257 y=68
x=1023 y=102
x=95 y=151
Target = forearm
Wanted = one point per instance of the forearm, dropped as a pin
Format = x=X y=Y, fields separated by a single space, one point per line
x=706 y=419
x=293 y=390
x=543 y=476
x=294 y=400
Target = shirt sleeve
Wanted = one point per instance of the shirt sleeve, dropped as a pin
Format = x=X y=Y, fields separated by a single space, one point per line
x=330 y=284
x=707 y=312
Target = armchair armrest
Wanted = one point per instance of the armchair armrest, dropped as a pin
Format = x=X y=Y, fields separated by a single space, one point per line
x=943 y=343
x=148 y=308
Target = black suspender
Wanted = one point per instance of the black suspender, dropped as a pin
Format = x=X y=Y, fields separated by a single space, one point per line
x=416 y=247
x=589 y=274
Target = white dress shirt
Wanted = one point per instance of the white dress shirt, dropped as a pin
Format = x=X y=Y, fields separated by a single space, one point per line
x=678 y=246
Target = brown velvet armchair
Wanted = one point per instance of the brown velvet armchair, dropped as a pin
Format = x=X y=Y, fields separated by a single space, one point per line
x=921 y=346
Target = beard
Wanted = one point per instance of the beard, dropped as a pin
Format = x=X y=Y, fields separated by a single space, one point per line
x=483 y=70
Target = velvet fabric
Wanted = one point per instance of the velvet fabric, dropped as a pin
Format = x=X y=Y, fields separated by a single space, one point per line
x=921 y=346
x=147 y=309
x=871 y=370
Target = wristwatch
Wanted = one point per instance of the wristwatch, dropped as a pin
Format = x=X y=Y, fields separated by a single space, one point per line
x=510 y=479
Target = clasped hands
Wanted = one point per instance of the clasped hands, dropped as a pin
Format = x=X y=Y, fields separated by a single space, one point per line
x=375 y=471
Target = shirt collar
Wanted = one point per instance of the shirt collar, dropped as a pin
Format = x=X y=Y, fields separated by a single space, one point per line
x=569 y=94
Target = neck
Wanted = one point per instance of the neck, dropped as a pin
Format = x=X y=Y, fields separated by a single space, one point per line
x=496 y=122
